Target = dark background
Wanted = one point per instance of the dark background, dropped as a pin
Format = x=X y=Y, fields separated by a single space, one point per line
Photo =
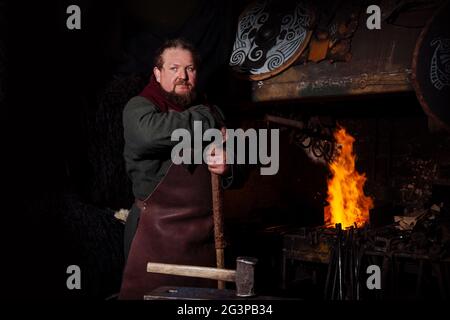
x=64 y=94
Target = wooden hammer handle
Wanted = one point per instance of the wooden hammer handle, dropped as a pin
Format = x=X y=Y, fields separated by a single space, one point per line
x=192 y=271
x=217 y=202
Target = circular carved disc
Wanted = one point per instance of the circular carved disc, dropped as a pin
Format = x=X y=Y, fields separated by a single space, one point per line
x=431 y=67
x=270 y=37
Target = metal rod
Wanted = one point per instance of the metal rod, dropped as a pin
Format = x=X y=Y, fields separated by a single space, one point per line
x=339 y=261
x=330 y=270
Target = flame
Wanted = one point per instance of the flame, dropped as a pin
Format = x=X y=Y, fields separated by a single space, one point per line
x=347 y=203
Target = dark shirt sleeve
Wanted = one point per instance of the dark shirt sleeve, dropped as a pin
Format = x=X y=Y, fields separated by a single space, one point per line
x=235 y=178
x=148 y=131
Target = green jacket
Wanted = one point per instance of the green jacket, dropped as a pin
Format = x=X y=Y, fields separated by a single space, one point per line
x=148 y=146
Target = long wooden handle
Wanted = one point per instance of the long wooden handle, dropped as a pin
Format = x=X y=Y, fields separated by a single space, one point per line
x=217 y=201
x=192 y=271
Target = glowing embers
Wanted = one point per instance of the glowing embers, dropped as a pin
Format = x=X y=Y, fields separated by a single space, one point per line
x=347 y=203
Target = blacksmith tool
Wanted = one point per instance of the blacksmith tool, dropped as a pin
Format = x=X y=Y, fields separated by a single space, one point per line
x=217 y=201
x=339 y=257
x=243 y=276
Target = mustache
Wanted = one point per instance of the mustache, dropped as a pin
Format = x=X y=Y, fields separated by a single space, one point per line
x=182 y=82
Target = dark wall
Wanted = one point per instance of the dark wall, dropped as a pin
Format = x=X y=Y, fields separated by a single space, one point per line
x=66 y=91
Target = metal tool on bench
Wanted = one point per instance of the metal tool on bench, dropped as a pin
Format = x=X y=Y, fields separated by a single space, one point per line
x=243 y=276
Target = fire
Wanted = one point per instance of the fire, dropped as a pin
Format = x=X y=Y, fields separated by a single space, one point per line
x=347 y=203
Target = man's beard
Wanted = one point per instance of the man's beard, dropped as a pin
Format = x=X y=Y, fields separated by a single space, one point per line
x=183 y=100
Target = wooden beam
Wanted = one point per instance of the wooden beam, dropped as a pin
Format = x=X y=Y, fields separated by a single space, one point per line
x=381 y=63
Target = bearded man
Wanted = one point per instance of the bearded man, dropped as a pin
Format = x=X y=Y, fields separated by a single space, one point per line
x=171 y=220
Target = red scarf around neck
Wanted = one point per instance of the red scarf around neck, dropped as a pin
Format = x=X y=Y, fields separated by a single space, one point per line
x=155 y=94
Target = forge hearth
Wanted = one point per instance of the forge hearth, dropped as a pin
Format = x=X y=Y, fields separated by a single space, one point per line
x=412 y=261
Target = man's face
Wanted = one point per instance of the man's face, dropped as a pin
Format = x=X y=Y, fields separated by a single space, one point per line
x=178 y=73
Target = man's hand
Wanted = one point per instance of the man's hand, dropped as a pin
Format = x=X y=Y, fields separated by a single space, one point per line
x=217 y=158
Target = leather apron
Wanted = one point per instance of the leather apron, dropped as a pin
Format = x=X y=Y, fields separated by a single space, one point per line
x=175 y=226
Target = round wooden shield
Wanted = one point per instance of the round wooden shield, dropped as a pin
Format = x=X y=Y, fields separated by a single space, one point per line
x=271 y=35
x=431 y=67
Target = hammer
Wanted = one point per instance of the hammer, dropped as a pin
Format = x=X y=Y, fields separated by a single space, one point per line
x=217 y=201
x=243 y=276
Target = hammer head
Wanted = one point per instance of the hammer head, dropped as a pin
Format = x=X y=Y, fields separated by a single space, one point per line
x=245 y=276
